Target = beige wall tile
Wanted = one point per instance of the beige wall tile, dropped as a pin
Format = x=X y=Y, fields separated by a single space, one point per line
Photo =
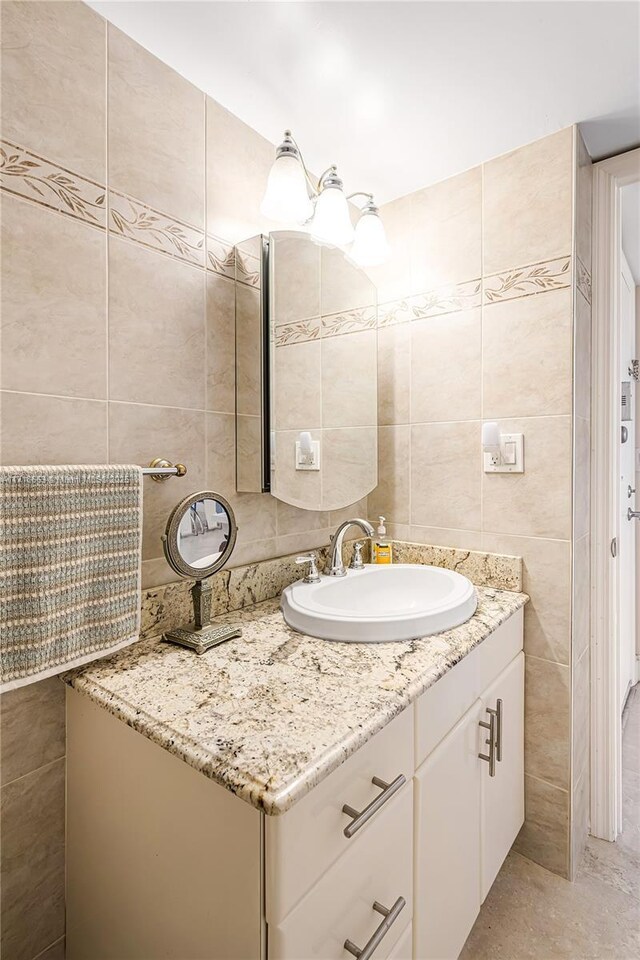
x=394 y=372
x=582 y=477
x=301 y=488
x=238 y=164
x=581 y=596
x=298 y=386
x=446 y=368
x=393 y=278
x=156 y=328
x=32 y=721
x=546 y=570
x=296 y=272
x=447 y=236
x=302 y=542
x=536 y=503
x=249 y=365
x=526 y=350
x=544 y=836
x=350 y=468
x=583 y=202
x=52 y=430
x=54 y=326
x=343 y=286
x=156 y=132
x=357 y=509
x=547 y=724
x=391 y=496
x=579 y=822
x=221 y=344
x=582 y=357
x=581 y=715
x=255 y=516
x=53 y=83
x=445 y=475
x=221 y=453
x=156 y=572
x=349 y=380
x=442 y=537
x=32 y=862
x=139 y=433
x=249 y=465
x=252 y=551
x=527 y=212
x=293 y=520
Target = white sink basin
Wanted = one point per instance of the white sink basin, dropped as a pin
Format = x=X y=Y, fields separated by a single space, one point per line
x=401 y=601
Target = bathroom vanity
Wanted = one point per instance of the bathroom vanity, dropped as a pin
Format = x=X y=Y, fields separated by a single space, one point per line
x=281 y=797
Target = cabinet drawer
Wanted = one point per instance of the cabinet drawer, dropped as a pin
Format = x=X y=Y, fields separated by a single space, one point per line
x=302 y=844
x=340 y=906
x=441 y=706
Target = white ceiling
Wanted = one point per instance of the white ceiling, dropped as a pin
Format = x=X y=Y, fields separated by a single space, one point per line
x=401 y=95
x=630 y=203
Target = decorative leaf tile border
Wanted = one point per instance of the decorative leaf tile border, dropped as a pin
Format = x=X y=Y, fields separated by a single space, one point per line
x=583 y=280
x=299 y=331
x=526 y=281
x=221 y=257
x=435 y=303
x=247 y=268
x=350 y=321
x=31 y=177
x=136 y=221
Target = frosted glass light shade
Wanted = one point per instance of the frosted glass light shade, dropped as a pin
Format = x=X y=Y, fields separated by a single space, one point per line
x=331 y=222
x=370 y=246
x=286 y=197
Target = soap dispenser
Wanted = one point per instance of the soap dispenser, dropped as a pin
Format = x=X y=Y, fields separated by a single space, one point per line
x=381 y=545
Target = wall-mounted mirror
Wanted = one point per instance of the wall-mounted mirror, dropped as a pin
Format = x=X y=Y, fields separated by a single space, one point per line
x=312 y=440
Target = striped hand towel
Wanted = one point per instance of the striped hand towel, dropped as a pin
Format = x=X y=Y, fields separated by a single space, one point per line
x=70 y=552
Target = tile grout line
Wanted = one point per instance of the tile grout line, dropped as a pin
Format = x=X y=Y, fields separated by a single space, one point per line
x=43 y=766
x=54 y=943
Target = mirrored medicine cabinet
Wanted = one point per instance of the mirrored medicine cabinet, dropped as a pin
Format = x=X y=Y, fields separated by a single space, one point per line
x=306 y=372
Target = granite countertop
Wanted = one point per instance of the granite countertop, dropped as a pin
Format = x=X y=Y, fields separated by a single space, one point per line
x=270 y=714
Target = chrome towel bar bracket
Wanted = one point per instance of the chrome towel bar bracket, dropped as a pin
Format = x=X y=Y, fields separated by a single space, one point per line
x=161 y=469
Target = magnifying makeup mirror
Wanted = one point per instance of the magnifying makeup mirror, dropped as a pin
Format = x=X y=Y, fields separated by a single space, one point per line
x=199 y=539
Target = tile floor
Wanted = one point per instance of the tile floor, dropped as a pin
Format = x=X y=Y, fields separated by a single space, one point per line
x=531 y=913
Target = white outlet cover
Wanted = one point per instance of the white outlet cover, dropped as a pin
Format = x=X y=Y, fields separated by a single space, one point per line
x=301 y=461
x=517 y=439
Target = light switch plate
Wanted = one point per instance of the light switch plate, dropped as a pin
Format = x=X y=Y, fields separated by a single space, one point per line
x=511 y=458
x=308 y=463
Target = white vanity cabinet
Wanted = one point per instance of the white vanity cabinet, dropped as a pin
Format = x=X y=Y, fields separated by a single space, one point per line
x=165 y=864
x=468 y=810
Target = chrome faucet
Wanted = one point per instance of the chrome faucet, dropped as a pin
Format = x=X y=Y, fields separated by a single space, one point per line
x=336 y=568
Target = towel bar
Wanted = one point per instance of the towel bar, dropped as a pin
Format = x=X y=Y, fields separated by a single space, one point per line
x=160 y=470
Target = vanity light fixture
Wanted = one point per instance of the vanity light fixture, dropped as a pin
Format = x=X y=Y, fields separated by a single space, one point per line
x=291 y=195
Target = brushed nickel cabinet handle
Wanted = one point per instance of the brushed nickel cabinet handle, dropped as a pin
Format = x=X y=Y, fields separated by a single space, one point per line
x=491 y=741
x=498 y=730
x=360 y=817
x=390 y=917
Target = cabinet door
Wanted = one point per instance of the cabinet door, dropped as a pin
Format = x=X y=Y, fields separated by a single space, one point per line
x=447 y=831
x=502 y=796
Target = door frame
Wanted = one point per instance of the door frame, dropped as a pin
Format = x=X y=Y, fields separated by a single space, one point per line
x=609 y=176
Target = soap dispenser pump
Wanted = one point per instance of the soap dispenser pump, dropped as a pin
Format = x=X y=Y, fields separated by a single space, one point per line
x=381 y=545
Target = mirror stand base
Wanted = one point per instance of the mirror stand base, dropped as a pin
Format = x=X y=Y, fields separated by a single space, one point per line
x=202 y=639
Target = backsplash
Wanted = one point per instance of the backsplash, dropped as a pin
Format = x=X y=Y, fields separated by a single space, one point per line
x=170 y=605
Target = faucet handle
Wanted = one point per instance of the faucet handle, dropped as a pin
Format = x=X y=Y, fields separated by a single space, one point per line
x=312 y=573
x=357 y=562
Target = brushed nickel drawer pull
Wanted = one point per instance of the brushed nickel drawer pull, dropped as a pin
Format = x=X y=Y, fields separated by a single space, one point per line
x=498 y=730
x=360 y=817
x=390 y=917
x=491 y=740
